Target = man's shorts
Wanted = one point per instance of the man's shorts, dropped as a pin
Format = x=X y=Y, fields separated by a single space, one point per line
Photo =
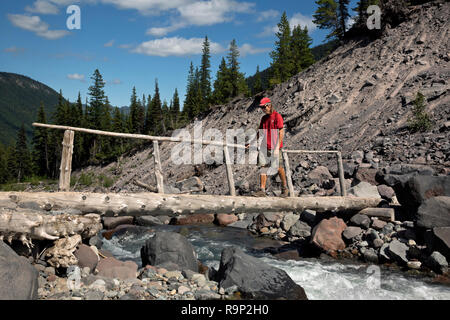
x=268 y=163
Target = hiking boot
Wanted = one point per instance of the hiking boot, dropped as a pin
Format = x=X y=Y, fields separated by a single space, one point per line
x=284 y=193
x=260 y=193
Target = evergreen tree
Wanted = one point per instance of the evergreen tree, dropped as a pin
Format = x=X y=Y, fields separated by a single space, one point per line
x=175 y=110
x=222 y=84
x=97 y=100
x=141 y=115
x=257 y=86
x=4 y=175
x=22 y=163
x=79 y=154
x=300 y=46
x=326 y=17
x=149 y=124
x=343 y=15
x=134 y=126
x=156 y=115
x=189 y=101
x=282 y=62
x=205 y=76
x=39 y=155
x=236 y=78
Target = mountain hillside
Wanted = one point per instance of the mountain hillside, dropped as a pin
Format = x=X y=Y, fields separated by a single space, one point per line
x=357 y=100
x=19 y=103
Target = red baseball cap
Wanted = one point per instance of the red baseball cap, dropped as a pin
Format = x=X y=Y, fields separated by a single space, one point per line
x=264 y=101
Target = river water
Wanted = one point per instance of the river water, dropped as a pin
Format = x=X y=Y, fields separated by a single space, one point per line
x=322 y=280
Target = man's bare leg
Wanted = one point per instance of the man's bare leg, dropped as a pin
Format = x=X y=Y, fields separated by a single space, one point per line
x=284 y=190
x=263 y=180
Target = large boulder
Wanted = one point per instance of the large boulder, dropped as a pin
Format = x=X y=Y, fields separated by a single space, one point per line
x=113 y=222
x=86 y=257
x=169 y=247
x=321 y=177
x=398 y=252
x=256 y=279
x=364 y=190
x=300 y=229
x=18 y=278
x=419 y=188
x=327 y=235
x=440 y=241
x=205 y=218
x=434 y=212
x=115 y=269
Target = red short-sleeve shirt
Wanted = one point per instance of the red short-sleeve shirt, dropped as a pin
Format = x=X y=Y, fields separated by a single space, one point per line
x=271 y=123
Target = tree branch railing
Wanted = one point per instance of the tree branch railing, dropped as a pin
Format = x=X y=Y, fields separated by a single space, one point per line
x=67 y=151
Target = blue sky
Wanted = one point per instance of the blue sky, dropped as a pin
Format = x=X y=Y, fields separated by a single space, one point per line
x=133 y=42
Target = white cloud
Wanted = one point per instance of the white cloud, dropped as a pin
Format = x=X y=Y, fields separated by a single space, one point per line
x=76 y=76
x=248 y=49
x=211 y=12
x=14 y=50
x=269 y=14
x=297 y=19
x=109 y=43
x=36 y=25
x=175 y=46
x=300 y=19
x=162 y=31
x=114 y=81
x=43 y=7
x=148 y=7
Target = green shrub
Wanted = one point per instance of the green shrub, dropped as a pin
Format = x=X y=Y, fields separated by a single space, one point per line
x=421 y=120
x=86 y=179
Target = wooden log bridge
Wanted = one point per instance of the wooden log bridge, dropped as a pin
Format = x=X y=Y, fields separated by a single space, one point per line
x=147 y=203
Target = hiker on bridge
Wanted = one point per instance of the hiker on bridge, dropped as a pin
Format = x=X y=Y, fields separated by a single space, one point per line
x=270 y=160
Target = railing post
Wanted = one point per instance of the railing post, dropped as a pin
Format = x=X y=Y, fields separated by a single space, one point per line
x=66 y=161
x=287 y=168
x=341 y=174
x=229 y=171
x=158 y=170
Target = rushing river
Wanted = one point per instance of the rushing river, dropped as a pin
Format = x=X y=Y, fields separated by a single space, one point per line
x=322 y=280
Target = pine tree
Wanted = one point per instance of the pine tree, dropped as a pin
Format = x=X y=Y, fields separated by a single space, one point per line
x=39 y=155
x=156 y=115
x=4 y=175
x=97 y=99
x=175 y=110
x=134 y=112
x=257 y=86
x=22 y=163
x=205 y=76
x=326 y=17
x=300 y=46
x=149 y=124
x=343 y=15
x=236 y=78
x=282 y=62
x=222 y=84
x=189 y=101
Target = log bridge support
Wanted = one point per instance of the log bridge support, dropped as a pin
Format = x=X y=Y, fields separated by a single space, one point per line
x=66 y=157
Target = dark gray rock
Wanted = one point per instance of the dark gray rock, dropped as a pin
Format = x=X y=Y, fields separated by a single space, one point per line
x=385 y=191
x=420 y=188
x=440 y=241
x=360 y=220
x=434 y=212
x=148 y=221
x=300 y=229
x=351 y=232
x=169 y=247
x=370 y=255
x=18 y=278
x=398 y=251
x=256 y=279
x=437 y=262
x=309 y=216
